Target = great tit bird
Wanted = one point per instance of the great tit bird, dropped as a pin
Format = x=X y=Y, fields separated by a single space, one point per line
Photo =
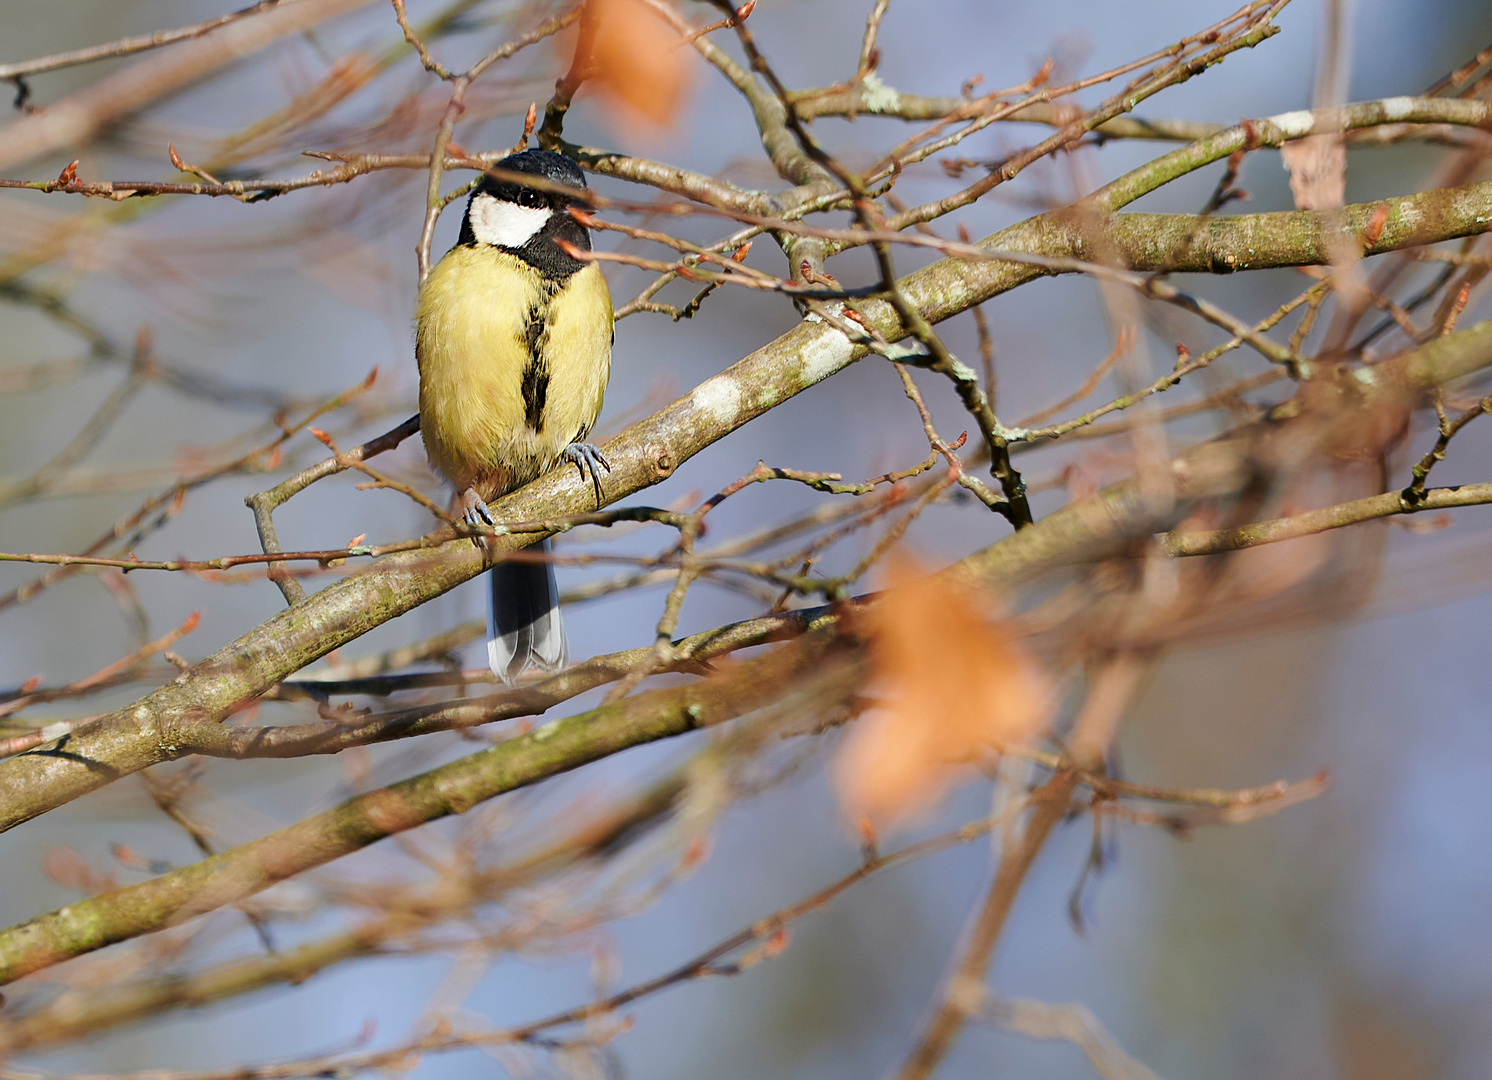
x=513 y=336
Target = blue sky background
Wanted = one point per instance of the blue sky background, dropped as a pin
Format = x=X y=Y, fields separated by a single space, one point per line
x=1347 y=937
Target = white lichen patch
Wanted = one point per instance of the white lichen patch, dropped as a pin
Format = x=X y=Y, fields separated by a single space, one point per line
x=1399 y=108
x=829 y=351
x=1366 y=376
x=719 y=399
x=963 y=372
x=1294 y=125
x=877 y=95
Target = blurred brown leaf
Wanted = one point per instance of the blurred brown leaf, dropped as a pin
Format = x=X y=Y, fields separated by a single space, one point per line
x=957 y=688
x=637 y=60
x=70 y=870
x=1318 y=171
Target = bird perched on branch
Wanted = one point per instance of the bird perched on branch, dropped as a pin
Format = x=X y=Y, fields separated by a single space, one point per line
x=513 y=336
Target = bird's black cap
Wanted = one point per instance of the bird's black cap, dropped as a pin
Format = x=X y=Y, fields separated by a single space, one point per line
x=544 y=164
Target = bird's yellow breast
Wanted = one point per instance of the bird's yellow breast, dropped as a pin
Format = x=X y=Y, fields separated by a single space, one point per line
x=513 y=368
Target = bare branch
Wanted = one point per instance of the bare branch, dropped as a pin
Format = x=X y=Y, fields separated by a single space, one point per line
x=128 y=46
x=1389 y=504
x=81 y=115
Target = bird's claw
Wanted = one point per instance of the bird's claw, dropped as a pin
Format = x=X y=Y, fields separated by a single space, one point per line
x=589 y=460
x=474 y=510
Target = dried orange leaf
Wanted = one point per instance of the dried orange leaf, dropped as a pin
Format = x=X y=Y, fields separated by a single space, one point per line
x=636 y=60
x=957 y=687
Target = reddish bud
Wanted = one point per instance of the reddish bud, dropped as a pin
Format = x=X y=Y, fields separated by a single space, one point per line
x=695 y=854
x=127 y=856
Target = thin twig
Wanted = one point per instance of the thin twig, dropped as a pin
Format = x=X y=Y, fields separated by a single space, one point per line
x=127 y=46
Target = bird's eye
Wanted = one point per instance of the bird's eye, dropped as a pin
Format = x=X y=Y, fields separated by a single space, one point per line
x=529 y=197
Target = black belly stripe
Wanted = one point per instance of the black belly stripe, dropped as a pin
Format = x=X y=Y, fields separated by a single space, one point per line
x=535 y=386
x=534 y=330
x=535 y=390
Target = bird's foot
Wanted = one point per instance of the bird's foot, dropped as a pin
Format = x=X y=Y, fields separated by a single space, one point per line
x=588 y=460
x=473 y=510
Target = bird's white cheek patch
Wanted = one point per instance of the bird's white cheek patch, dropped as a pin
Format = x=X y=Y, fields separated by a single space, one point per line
x=506 y=224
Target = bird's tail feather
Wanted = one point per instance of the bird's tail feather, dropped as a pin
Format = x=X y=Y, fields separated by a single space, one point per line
x=524 y=630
